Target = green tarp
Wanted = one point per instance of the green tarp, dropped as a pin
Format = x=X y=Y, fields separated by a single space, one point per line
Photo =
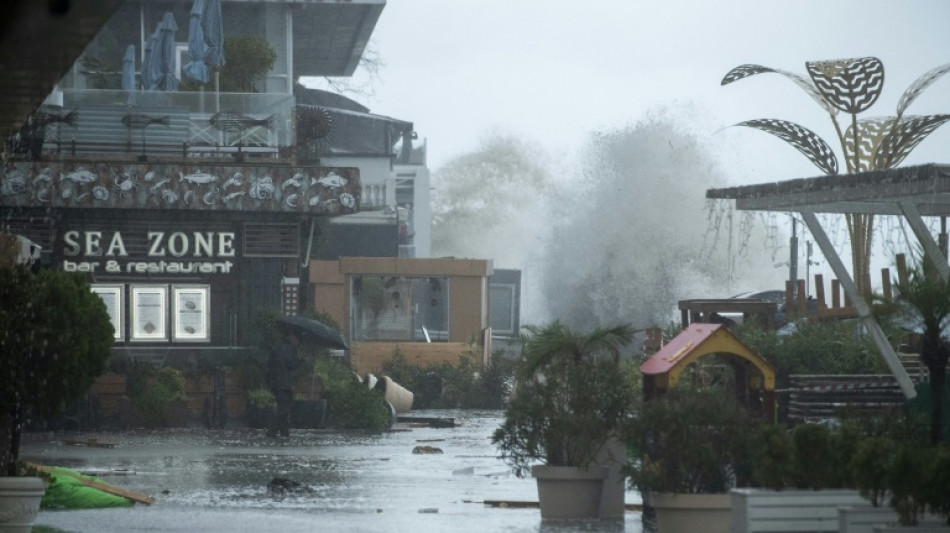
x=67 y=492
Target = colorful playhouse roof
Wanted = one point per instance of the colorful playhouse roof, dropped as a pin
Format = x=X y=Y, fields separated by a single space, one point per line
x=698 y=340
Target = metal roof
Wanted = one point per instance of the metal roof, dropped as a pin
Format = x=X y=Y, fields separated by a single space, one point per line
x=878 y=192
x=330 y=36
x=39 y=42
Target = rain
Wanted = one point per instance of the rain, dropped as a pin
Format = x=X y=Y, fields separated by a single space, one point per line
x=571 y=143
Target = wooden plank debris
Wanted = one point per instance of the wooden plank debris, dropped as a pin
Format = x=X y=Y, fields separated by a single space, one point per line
x=423 y=421
x=517 y=504
x=92 y=443
x=105 y=487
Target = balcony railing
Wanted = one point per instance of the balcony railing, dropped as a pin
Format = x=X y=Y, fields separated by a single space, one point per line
x=177 y=124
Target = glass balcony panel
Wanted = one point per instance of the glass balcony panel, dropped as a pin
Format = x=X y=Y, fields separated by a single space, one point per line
x=182 y=124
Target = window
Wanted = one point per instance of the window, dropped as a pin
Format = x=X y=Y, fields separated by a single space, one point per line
x=502 y=309
x=149 y=313
x=156 y=314
x=114 y=298
x=392 y=308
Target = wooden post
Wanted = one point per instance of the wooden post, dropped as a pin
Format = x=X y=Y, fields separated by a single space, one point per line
x=820 y=291
x=901 y=270
x=835 y=294
x=886 y=284
x=802 y=298
x=790 y=304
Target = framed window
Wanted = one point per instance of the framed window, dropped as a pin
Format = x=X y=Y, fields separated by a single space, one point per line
x=503 y=309
x=398 y=308
x=149 y=312
x=190 y=313
x=113 y=297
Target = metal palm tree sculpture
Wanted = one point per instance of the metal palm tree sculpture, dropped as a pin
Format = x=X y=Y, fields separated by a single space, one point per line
x=852 y=86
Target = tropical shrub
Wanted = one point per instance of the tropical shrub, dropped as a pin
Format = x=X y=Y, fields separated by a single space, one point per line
x=55 y=339
x=572 y=396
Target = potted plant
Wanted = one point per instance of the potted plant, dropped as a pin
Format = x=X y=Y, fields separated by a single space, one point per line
x=572 y=397
x=55 y=338
x=687 y=450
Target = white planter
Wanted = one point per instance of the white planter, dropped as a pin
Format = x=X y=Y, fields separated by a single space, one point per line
x=568 y=493
x=922 y=528
x=20 y=502
x=863 y=518
x=709 y=513
x=790 y=510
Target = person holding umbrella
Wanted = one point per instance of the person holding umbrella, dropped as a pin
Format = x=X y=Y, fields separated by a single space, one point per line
x=281 y=373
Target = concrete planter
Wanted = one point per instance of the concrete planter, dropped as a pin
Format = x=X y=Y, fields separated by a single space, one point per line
x=922 y=528
x=20 y=502
x=710 y=513
x=569 y=493
x=790 y=510
x=867 y=519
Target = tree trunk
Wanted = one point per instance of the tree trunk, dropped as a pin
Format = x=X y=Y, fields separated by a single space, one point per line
x=938 y=378
x=9 y=442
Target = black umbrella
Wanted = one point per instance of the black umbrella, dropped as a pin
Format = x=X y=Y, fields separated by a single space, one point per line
x=319 y=332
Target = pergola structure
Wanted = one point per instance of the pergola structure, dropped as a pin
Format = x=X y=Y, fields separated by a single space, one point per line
x=910 y=192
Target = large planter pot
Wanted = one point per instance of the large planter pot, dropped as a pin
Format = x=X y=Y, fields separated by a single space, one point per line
x=569 y=493
x=710 y=513
x=19 y=503
x=790 y=510
x=922 y=528
x=866 y=519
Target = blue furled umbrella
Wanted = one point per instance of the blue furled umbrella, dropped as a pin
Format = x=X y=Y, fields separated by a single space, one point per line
x=128 y=72
x=149 y=67
x=164 y=55
x=211 y=25
x=196 y=68
x=128 y=69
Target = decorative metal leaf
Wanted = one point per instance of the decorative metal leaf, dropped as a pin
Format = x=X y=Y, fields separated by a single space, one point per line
x=744 y=71
x=806 y=141
x=906 y=135
x=851 y=85
x=918 y=87
x=871 y=132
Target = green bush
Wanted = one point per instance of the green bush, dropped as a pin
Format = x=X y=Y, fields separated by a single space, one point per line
x=351 y=405
x=464 y=385
x=816 y=347
x=55 y=339
x=689 y=441
x=154 y=390
x=262 y=398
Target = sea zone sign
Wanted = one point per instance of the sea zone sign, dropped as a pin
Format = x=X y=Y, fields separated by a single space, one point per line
x=179 y=252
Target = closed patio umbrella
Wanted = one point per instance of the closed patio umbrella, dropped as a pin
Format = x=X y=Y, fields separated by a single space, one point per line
x=196 y=68
x=164 y=55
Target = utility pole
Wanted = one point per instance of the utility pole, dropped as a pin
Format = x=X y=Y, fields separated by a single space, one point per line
x=793 y=261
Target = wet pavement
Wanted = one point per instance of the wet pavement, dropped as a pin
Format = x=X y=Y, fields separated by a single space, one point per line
x=216 y=480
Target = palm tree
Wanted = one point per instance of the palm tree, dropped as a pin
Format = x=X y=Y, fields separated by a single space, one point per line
x=556 y=344
x=571 y=397
x=926 y=297
x=852 y=86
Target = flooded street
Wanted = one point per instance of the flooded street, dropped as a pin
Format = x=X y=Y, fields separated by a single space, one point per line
x=216 y=480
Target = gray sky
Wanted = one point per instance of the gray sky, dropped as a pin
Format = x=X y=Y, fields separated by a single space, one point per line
x=552 y=71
